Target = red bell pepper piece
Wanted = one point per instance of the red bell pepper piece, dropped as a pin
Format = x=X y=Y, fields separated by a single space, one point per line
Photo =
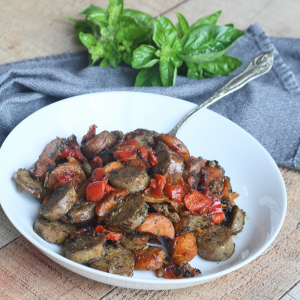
x=73 y=152
x=160 y=184
x=144 y=164
x=170 y=269
x=195 y=201
x=125 y=153
x=97 y=174
x=174 y=192
x=218 y=218
x=130 y=142
x=143 y=152
x=108 y=188
x=113 y=236
x=90 y=134
x=95 y=191
x=99 y=228
x=63 y=179
x=97 y=162
x=153 y=159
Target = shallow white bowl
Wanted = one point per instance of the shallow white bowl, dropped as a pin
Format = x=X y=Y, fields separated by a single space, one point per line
x=254 y=174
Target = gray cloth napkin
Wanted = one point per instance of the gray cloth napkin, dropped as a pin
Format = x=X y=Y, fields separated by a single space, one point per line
x=268 y=107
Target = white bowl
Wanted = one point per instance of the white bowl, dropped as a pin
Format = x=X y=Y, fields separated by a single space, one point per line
x=254 y=174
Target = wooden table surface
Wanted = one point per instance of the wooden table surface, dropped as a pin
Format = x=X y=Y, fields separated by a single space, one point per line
x=34 y=28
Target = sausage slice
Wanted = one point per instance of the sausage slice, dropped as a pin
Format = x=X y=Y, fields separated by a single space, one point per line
x=128 y=214
x=60 y=202
x=191 y=224
x=134 y=179
x=134 y=241
x=52 y=232
x=86 y=247
x=115 y=260
x=26 y=183
x=79 y=213
x=236 y=220
x=216 y=244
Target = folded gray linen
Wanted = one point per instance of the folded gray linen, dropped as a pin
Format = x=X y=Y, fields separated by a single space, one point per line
x=268 y=107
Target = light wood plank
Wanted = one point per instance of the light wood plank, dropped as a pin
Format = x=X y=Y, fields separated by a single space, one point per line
x=34 y=28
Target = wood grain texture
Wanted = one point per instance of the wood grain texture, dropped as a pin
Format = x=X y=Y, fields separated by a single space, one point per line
x=34 y=28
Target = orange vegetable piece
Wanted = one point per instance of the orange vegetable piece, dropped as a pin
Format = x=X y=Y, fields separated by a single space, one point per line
x=158 y=225
x=112 y=166
x=149 y=259
x=183 y=248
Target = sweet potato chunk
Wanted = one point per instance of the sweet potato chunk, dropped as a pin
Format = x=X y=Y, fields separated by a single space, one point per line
x=183 y=248
x=158 y=225
x=149 y=259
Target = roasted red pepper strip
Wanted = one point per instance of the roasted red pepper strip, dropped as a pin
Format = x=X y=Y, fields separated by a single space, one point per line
x=97 y=162
x=73 y=152
x=108 y=188
x=63 y=179
x=113 y=236
x=127 y=152
x=174 y=192
x=143 y=152
x=160 y=184
x=144 y=164
x=195 y=201
x=130 y=142
x=218 y=218
x=90 y=134
x=171 y=269
x=97 y=174
x=152 y=158
x=99 y=228
x=95 y=191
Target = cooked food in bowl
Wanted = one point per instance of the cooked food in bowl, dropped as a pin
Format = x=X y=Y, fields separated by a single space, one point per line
x=138 y=201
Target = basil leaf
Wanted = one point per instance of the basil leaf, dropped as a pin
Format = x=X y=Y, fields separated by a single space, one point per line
x=141 y=18
x=92 y=8
x=98 y=17
x=111 y=51
x=209 y=20
x=208 y=42
x=197 y=72
x=104 y=63
x=128 y=57
x=168 y=73
x=115 y=3
x=87 y=40
x=126 y=21
x=164 y=32
x=136 y=35
x=149 y=77
x=182 y=25
x=115 y=61
x=229 y=25
x=144 y=57
x=222 y=65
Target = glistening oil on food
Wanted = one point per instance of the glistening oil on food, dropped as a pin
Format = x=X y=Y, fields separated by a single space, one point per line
x=136 y=201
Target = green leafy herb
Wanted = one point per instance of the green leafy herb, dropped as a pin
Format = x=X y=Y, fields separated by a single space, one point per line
x=156 y=47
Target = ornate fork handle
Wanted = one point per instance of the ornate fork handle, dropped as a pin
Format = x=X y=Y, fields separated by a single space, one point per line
x=257 y=66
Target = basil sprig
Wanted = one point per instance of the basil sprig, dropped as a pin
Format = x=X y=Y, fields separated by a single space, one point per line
x=157 y=47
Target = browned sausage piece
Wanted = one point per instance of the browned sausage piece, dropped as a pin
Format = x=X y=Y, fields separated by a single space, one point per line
x=216 y=244
x=191 y=224
x=170 y=164
x=134 y=241
x=163 y=208
x=79 y=213
x=98 y=143
x=26 y=183
x=129 y=213
x=149 y=259
x=142 y=136
x=236 y=220
x=84 y=248
x=52 y=232
x=60 y=202
x=110 y=200
x=65 y=169
x=54 y=148
x=134 y=179
x=41 y=167
x=115 y=260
